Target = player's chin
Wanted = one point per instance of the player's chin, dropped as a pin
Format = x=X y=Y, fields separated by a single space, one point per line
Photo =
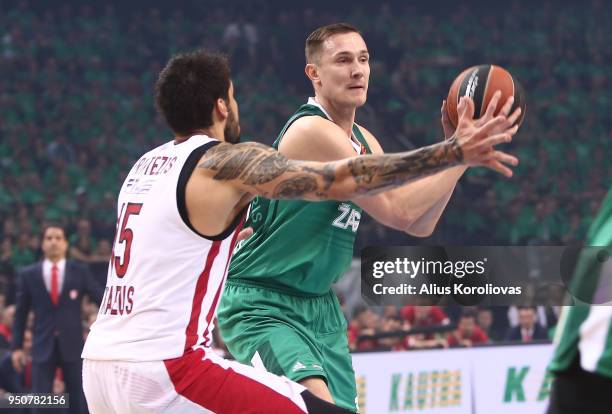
x=358 y=99
x=361 y=102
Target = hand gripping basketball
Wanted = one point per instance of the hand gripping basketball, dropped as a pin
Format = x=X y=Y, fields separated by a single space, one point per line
x=477 y=138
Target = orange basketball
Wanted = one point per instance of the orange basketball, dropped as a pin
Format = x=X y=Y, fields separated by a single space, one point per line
x=480 y=83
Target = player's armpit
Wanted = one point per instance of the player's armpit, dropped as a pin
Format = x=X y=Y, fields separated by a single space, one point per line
x=260 y=170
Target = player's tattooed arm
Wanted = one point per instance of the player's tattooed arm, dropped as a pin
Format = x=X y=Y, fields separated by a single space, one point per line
x=261 y=170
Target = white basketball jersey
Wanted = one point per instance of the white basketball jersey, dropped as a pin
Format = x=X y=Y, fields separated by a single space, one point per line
x=164 y=279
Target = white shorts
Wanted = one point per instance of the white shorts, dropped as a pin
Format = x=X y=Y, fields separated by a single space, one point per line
x=197 y=382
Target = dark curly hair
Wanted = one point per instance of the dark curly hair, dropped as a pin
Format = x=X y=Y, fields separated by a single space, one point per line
x=189 y=86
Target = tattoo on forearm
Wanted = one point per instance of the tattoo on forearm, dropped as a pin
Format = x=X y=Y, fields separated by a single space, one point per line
x=294 y=187
x=327 y=173
x=371 y=173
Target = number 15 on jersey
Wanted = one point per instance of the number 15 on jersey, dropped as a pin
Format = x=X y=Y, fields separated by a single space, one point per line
x=124 y=237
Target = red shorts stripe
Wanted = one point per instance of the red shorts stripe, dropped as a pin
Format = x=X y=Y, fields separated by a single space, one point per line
x=191 y=332
x=223 y=390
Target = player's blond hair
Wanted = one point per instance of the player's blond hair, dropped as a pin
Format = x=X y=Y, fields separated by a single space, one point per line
x=318 y=36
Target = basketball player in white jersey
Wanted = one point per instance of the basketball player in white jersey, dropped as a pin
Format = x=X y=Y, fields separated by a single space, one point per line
x=179 y=213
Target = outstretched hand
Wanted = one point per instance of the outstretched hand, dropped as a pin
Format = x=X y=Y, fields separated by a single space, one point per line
x=477 y=138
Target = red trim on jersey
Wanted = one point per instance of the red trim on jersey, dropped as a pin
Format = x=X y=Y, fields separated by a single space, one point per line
x=211 y=311
x=191 y=332
x=223 y=390
x=234 y=239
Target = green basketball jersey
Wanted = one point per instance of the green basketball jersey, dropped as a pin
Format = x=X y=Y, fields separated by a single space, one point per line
x=584 y=327
x=299 y=247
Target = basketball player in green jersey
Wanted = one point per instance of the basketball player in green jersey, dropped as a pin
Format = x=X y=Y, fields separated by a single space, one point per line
x=582 y=361
x=278 y=309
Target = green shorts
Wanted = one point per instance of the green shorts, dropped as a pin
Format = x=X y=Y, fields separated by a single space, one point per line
x=294 y=336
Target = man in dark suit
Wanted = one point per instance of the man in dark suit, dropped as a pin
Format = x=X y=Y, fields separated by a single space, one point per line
x=528 y=329
x=53 y=289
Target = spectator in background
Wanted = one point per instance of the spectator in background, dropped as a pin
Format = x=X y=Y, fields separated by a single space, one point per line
x=53 y=289
x=528 y=329
x=365 y=322
x=6 y=249
x=391 y=311
x=393 y=343
x=420 y=316
x=82 y=245
x=102 y=252
x=468 y=333
x=240 y=40
x=22 y=254
x=9 y=228
x=545 y=315
x=484 y=320
x=425 y=317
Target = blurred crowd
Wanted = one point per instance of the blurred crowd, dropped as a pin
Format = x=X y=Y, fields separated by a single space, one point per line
x=76 y=98
x=76 y=105
x=427 y=327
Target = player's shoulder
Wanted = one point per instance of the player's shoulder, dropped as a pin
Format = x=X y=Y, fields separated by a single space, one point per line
x=315 y=138
x=314 y=125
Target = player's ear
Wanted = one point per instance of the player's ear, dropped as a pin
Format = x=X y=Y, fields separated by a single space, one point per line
x=221 y=108
x=312 y=72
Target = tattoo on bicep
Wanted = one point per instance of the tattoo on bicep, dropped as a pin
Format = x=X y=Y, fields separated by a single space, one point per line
x=255 y=164
x=252 y=163
x=267 y=169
